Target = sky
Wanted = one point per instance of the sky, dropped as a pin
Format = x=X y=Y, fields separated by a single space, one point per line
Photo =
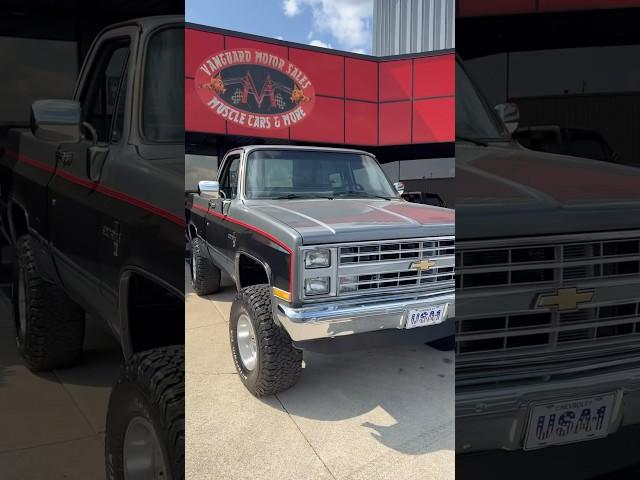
x=339 y=24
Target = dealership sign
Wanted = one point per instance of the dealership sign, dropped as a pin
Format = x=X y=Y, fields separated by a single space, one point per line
x=255 y=89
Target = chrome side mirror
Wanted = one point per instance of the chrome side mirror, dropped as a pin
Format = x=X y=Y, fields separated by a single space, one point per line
x=509 y=113
x=209 y=189
x=399 y=186
x=56 y=120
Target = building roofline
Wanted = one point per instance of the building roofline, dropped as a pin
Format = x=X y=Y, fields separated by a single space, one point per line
x=275 y=41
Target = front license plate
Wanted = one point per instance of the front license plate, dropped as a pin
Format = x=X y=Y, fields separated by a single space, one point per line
x=568 y=421
x=425 y=316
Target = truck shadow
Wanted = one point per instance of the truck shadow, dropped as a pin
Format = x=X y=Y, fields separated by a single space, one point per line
x=405 y=395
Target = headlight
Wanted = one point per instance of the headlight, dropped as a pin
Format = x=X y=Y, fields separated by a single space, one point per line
x=317 y=258
x=317 y=286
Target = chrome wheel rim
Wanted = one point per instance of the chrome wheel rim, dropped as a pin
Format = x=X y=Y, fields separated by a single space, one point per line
x=194 y=270
x=22 y=305
x=143 y=459
x=247 y=345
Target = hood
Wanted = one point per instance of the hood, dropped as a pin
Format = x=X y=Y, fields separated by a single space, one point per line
x=349 y=220
x=505 y=191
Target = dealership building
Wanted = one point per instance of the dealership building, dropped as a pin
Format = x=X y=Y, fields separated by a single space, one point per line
x=241 y=89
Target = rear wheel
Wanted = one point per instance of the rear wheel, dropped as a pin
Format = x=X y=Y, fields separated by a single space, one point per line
x=145 y=419
x=263 y=352
x=205 y=276
x=49 y=325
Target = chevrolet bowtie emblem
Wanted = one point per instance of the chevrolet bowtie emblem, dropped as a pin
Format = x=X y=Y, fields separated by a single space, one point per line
x=564 y=298
x=422 y=265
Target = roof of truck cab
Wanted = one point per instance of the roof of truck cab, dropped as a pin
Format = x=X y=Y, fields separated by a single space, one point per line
x=147 y=23
x=303 y=148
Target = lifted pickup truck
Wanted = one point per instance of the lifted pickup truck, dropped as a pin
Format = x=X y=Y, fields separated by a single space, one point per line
x=548 y=327
x=93 y=196
x=321 y=249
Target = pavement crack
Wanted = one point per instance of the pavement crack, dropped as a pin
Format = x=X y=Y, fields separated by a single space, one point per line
x=305 y=438
x=75 y=403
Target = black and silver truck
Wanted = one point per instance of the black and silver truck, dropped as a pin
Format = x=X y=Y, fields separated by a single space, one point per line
x=325 y=256
x=548 y=293
x=93 y=204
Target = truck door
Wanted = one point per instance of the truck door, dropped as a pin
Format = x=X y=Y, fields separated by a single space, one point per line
x=76 y=199
x=221 y=233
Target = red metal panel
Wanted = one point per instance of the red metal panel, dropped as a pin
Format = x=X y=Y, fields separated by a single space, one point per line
x=361 y=127
x=395 y=80
x=235 y=129
x=434 y=76
x=434 y=120
x=361 y=79
x=232 y=42
x=198 y=118
x=474 y=8
x=326 y=125
x=199 y=46
x=561 y=5
x=395 y=123
x=326 y=71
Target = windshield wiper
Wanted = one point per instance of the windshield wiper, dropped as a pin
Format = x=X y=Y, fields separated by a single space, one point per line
x=476 y=141
x=359 y=194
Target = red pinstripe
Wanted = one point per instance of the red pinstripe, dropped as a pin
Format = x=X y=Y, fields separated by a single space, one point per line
x=259 y=231
x=109 y=192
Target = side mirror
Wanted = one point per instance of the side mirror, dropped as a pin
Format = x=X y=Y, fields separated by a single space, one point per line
x=209 y=189
x=399 y=186
x=56 y=120
x=509 y=113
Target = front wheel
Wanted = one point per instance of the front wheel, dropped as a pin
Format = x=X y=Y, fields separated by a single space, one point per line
x=263 y=352
x=145 y=419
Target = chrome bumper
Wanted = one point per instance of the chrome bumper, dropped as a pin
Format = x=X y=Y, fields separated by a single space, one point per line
x=496 y=418
x=354 y=316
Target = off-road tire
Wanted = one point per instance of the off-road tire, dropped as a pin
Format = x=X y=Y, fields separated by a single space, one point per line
x=151 y=386
x=53 y=336
x=279 y=364
x=205 y=276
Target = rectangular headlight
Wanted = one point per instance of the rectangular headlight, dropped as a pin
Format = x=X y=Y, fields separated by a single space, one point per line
x=317 y=258
x=317 y=286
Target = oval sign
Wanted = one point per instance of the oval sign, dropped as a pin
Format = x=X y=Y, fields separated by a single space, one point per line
x=255 y=89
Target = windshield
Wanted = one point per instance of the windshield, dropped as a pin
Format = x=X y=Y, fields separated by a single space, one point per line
x=474 y=119
x=273 y=174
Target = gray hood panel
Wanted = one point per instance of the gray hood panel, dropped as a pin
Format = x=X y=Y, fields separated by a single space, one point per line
x=511 y=192
x=348 y=220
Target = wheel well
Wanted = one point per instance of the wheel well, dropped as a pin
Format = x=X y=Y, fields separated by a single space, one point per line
x=19 y=222
x=251 y=272
x=155 y=315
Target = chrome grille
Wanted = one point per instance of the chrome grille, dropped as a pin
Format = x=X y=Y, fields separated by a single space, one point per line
x=364 y=268
x=511 y=274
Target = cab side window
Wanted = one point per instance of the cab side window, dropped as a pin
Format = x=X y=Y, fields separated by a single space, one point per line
x=229 y=177
x=101 y=94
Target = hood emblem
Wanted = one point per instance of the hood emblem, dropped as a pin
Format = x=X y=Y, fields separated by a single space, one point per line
x=422 y=265
x=564 y=298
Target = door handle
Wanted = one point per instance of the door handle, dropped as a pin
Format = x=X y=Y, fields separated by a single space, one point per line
x=64 y=156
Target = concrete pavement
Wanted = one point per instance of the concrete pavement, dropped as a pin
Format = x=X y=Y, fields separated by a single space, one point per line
x=52 y=423
x=378 y=414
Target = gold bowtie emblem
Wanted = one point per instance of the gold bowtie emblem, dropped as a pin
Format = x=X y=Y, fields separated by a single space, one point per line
x=422 y=265
x=564 y=298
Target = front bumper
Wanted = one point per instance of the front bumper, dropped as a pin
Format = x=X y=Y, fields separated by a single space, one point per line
x=496 y=417
x=356 y=316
